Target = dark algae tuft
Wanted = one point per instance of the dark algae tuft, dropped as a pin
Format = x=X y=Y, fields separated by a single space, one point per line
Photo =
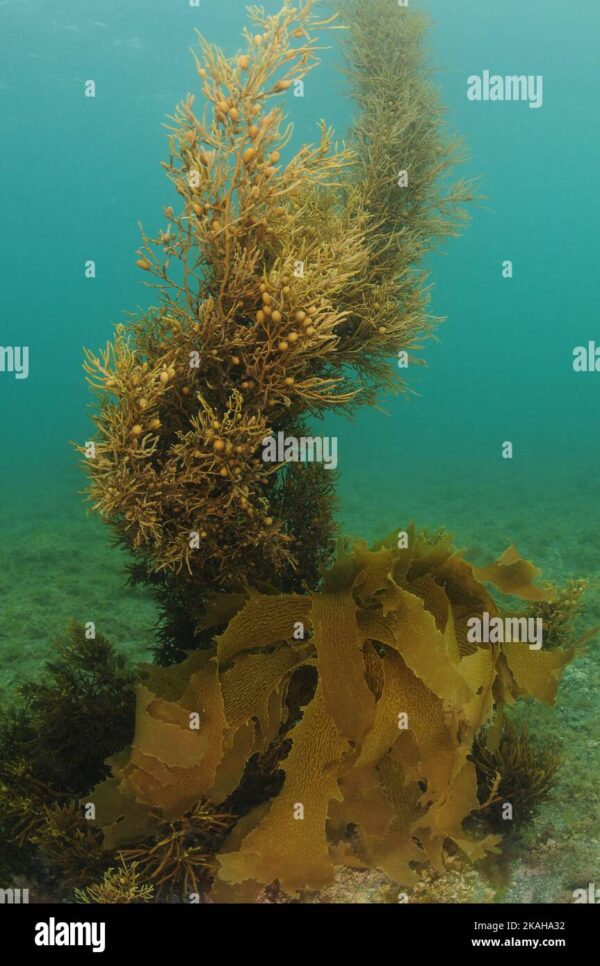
x=518 y=770
x=53 y=746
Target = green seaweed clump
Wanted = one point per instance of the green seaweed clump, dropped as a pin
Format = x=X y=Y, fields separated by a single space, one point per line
x=519 y=771
x=69 y=843
x=53 y=746
x=561 y=612
x=79 y=713
x=119 y=886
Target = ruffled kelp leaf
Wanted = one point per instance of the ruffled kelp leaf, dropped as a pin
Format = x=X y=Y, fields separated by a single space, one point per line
x=248 y=684
x=460 y=802
x=171 y=789
x=185 y=766
x=262 y=622
x=373 y=667
x=346 y=693
x=162 y=731
x=372 y=625
x=537 y=673
x=253 y=697
x=428 y=559
x=451 y=640
x=434 y=597
x=341 y=574
x=120 y=816
x=220 y=610
x=240 y=890
x=374 y=573
x=428 y=721
x=170 y=683
x=395 y=850
x=465 y=592
x=283 y=846
x=423 y=647
x=342 y=853
x=403 y=555
x=171 y=763
x=365 y=803
x=514 y=576
x=479 y=671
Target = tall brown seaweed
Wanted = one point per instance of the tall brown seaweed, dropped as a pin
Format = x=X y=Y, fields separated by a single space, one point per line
x=287 y=283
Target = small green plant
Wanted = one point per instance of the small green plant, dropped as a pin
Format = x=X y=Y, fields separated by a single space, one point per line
x=519 y=770
x=560 y=614
x=69 y=842
x=119 y=885
x=77 y=714
x=53 y=746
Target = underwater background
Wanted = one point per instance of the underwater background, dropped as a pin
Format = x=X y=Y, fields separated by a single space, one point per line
x=76 y=176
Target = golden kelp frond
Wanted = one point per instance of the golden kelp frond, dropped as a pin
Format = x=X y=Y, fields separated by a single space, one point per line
x=536 y=674
x=375 y=762
x=271 y=850
x=514 y=576
x=23 y=799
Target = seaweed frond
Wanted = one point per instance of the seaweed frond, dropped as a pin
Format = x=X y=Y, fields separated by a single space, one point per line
x=405 y=159
x=560 y=614
x=23 y=798
x=123 y=884
x=79 y=713
x=70 y=843
x=181 y=859
x=53 y=747
x=519 y=771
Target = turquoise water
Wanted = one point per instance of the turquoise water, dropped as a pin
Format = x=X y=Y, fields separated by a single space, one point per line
x=78 y=173
x=76 y=176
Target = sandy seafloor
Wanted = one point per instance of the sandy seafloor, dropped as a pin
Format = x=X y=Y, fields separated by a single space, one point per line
x=57 y=564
